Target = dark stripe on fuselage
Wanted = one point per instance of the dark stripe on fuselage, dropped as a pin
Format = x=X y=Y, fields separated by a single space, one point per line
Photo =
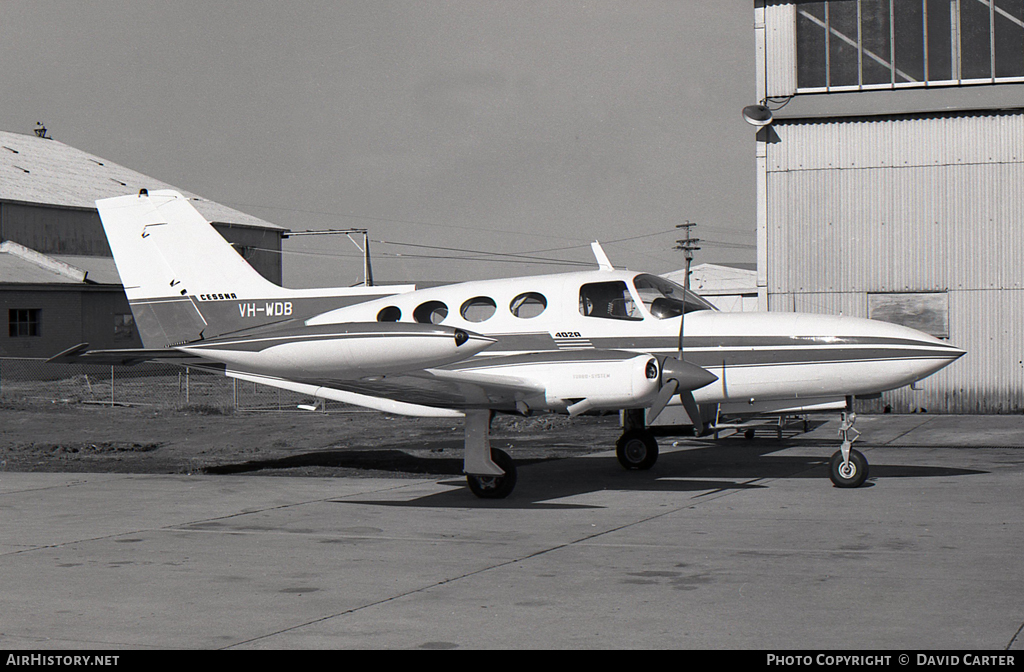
x=174 y=320
x=547 y=357
x=726 y=350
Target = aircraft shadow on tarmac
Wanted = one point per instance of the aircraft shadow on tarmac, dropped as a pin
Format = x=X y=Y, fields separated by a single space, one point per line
x=704 y=466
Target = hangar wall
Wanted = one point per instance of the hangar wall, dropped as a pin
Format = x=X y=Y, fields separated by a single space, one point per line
x=53 y=230
x=909 y=205
x=888 y=184
x=68 y=315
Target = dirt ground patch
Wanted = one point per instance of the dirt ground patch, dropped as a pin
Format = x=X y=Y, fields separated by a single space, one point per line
x=77 y=437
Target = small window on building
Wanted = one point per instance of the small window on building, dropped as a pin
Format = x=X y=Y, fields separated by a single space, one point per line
x=924 y=311
x=478 y=309
x=609 y=300
x=389 y=314
x=431 y=312
x=124 y=327
x=530 y=304
x=24 y=322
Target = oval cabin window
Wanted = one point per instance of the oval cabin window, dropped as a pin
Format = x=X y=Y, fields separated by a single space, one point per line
x=530 y=304
x=389 y=314
x=478 y=309
x=431 y=312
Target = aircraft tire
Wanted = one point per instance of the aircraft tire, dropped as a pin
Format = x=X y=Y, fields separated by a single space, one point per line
x=636 y=449
x=851 y=476
x=495 y=487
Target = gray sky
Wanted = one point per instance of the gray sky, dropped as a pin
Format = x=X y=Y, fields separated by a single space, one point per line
x=495 y=126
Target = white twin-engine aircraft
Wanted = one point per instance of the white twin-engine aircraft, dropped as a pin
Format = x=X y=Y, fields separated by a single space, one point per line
x=601 y=340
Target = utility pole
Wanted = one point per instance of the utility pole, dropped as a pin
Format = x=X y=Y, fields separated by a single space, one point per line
x=688 y=245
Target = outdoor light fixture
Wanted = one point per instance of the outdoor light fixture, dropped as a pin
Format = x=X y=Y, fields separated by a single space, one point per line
x=757 y=115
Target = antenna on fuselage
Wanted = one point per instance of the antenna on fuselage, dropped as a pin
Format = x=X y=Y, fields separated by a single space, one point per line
x=602 y=258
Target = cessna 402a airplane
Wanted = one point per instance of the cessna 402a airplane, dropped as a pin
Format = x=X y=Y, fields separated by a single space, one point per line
x=601 y=340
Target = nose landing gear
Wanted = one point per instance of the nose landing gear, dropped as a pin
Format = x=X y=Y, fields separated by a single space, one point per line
x=848 y=468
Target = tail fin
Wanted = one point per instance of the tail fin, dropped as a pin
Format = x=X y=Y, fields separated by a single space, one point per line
x=184 y=282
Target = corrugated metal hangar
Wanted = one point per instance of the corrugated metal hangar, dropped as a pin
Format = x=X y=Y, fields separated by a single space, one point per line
x=58 y=284
x=889 y=180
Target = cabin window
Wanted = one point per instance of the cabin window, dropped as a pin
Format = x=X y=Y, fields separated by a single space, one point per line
x=431 y=312
x=478 y=309
x=609 y=300
x=23 y=322
x=389 y=314
x=530 y=304
x=664 y=298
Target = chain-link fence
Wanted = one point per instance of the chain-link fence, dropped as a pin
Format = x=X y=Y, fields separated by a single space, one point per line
x=164 y=385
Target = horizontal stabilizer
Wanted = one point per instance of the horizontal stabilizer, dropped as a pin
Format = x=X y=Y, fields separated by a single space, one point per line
x=80 y=354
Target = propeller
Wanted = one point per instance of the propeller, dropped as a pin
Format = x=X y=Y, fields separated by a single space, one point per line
x=680 y=377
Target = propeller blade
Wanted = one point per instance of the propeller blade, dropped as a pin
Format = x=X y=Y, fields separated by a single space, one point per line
x=692 y=410
x=682 y=321
x=661 y=401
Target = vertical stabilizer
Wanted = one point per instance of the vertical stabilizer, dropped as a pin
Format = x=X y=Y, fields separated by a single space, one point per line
x=185 y=282
x=164 y=248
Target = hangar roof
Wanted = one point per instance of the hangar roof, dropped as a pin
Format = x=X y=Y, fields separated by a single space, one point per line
x=713 y=279
x=48 y=172
x=24 y=266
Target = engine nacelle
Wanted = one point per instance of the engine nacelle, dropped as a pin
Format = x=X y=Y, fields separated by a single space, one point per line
x=606 y=383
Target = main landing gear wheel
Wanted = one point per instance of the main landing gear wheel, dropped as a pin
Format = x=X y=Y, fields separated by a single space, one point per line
x=495 y=487
x=636 y=449
x=848 y=475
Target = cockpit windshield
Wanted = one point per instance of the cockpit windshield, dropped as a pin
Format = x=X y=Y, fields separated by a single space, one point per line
x=665 y=299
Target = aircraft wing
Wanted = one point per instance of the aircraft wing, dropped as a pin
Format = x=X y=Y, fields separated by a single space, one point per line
x=500 y=382
x=426 y=393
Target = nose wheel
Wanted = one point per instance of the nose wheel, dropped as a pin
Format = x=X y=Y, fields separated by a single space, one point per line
x=848 y=468
x=849 y=473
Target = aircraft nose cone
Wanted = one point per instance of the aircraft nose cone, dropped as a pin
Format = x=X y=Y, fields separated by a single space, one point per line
x=690 y=376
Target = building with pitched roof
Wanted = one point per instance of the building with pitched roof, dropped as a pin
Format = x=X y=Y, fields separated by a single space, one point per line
x=58 y=283
x=732 y=289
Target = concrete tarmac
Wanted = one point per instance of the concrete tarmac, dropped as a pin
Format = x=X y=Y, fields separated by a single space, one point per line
x=728 y=544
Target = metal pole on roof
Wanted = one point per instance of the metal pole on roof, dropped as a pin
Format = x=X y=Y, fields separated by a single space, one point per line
x=365 y=249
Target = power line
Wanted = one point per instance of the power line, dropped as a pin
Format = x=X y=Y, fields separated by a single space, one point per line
x=386 y=219
x=719 y=229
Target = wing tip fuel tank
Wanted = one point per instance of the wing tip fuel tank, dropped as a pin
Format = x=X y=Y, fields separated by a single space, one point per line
x=345 y=351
